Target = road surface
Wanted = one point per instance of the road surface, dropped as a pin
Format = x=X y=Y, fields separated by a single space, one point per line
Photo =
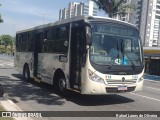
x=40 y=97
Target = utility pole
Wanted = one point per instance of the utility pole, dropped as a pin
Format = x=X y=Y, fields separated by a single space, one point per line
x=41 y=13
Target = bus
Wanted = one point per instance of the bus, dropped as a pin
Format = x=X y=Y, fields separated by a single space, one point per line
x=87 y=54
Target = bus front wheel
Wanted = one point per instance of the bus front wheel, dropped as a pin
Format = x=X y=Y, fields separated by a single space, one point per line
x=26 y=73
x=62 y=86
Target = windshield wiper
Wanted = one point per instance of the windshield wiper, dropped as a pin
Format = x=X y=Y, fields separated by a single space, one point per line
x=133 y=65
x=122 y=49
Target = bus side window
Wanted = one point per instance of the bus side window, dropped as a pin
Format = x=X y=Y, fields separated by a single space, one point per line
x=63 y=35
x=49 y=41
x=39 y=37
x=45 y=42
x=50 y=37
x=54 y=38
x=18 y=38
x=30 y=42
x=23 y=42
x=41 y=43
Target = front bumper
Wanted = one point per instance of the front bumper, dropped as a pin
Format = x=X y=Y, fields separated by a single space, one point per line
x=91 y=87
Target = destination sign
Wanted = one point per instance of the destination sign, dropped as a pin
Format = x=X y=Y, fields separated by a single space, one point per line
x=124 y=31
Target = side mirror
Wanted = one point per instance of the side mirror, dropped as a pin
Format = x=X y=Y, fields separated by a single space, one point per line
x=88 y=36
x=45 y=40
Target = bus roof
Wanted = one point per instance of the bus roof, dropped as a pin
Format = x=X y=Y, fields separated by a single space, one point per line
x=78 y=18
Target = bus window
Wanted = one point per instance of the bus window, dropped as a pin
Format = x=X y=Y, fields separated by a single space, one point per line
x=63 y=36
x=49 y=46
x=39 y=38
x=30 y=42
x=54 y=33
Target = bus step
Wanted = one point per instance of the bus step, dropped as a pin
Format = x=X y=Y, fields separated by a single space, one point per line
x=74 y=90
x=38 y=75
x=37 y=80
x=76 y=86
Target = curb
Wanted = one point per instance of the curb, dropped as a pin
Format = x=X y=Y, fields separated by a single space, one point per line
x=9 y=105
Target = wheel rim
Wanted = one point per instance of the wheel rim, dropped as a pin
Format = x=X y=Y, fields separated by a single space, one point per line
x=62 y=85
x=26 y=74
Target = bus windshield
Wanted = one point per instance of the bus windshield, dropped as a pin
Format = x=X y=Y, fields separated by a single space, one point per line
x=115 y=44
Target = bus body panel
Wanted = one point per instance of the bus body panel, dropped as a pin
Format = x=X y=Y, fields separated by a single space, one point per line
x=47 y=69
x=22 y=58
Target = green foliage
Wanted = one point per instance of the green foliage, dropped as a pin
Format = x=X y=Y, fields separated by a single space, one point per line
x=2 y=49
x=6 y=44
x=113 y=7
x=0 y=17
x=6 y=40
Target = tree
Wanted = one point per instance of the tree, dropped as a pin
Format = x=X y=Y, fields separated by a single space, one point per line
x=6 y=40
x=0 y=17
x=113 y=7
x=6 y=44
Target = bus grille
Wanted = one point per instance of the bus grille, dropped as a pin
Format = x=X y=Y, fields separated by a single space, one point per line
x=113 y=82
x=115 y=90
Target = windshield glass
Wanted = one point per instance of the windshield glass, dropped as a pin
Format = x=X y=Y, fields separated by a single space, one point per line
x=115 y=44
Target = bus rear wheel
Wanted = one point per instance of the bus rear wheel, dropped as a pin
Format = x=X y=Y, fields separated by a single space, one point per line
x=26 y=73
x=1 y=91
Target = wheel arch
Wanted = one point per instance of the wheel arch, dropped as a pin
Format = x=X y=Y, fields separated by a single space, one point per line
x=26 y=70
x=58 y=73
x=26 y=64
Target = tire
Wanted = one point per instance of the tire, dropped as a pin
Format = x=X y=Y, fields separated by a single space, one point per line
x=26 y=74
x=1 y=91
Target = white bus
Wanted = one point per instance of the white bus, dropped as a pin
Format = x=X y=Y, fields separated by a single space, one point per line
x=90 y=55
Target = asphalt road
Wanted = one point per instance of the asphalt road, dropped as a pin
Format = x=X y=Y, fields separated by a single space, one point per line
x=41 y=97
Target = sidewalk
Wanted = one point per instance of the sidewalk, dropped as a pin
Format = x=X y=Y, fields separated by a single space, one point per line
x=152 y=77
x=8 y=105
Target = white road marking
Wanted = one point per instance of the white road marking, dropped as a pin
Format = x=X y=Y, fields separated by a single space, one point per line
x=153 y=88
x=10 y=64
x=146 y=97
x=7 y=64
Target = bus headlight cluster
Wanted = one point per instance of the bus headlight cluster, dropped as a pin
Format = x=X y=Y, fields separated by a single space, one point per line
x=94 y=77
x=141 y=79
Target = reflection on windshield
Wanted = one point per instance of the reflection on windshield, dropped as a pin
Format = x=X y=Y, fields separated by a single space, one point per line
x=115 y=48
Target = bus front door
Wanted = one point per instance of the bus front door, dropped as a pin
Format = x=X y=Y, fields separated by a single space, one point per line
x=76 y=56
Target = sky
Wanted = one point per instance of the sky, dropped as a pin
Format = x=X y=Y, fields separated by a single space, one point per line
x=23 y=14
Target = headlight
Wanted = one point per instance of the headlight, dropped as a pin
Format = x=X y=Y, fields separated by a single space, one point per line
x=94 y=77
x=141 y=79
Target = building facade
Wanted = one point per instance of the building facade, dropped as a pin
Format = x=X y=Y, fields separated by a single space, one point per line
x=132 y=15
x=146 y=15
x=77 y=9
x=151 y=28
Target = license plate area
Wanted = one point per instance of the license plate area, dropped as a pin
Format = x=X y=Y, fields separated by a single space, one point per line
x=122 y=88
